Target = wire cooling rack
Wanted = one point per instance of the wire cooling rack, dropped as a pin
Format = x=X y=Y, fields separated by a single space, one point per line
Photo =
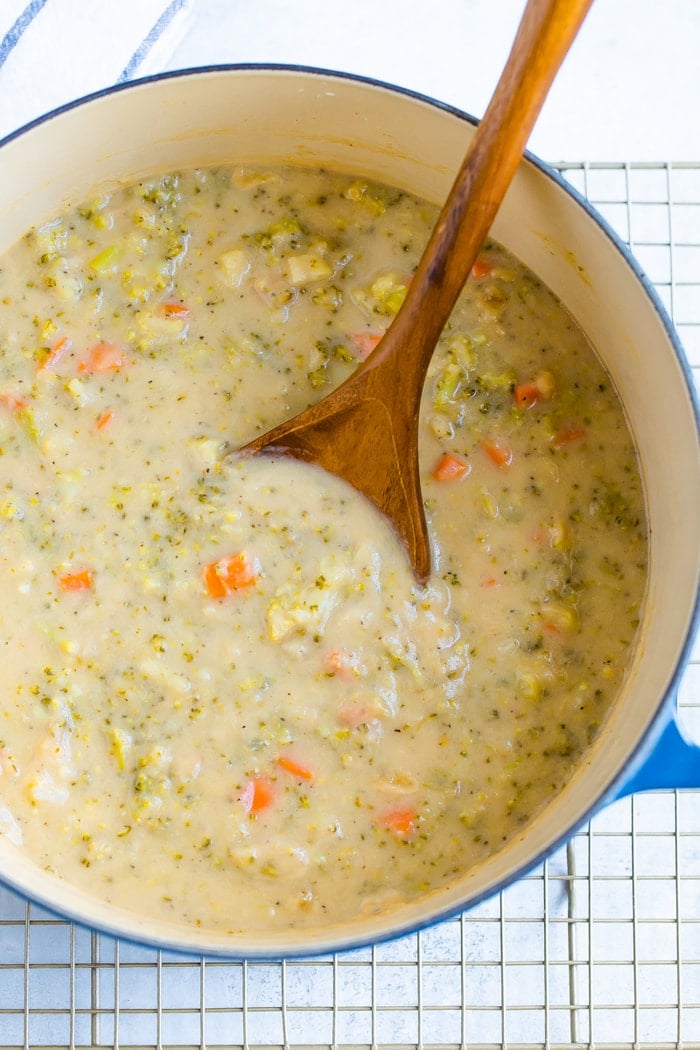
x=599 y=948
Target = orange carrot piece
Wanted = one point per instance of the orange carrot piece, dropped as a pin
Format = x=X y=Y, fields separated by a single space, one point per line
x=55 y=353
x=353 y=715
x=481 y=268
x=527 y=394
x=258 y=794
x=12 y=402
x=102 y=420
x=103 y=357
x=340 y=662
x=174 y=310
x=76 y=580
x=569 y=436
x=498 y=452
x=225 y=576
x=291 y=765
x=450 y=467
x=365 y=343
x=402 y=821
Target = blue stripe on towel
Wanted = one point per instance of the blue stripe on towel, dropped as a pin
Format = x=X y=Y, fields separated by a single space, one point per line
x=151 y=39
x=16 y=30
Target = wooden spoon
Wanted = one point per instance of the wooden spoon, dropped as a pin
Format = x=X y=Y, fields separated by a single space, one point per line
x=366 y=431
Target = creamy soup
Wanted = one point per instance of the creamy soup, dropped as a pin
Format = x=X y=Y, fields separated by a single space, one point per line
x=225 y=700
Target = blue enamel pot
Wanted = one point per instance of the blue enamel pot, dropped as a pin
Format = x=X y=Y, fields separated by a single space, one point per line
x=285 y=114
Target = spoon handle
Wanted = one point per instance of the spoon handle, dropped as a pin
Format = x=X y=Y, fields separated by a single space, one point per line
x=366 y=430
x=544 y=36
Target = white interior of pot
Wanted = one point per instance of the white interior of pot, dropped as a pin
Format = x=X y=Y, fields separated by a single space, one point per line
x=272 y=116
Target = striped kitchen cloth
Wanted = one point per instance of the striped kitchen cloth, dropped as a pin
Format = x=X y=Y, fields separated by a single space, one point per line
x=55 y=51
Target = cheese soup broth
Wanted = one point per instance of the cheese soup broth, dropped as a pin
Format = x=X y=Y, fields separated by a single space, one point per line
x=220 y=681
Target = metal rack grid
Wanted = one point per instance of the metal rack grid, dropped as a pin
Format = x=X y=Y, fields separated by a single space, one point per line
x=599 y=948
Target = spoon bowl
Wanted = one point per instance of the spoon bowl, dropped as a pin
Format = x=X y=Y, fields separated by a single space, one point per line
x=366 y=431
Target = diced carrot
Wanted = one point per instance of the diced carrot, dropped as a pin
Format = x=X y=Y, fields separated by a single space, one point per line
x=450 y=467
x=489 y=581
x=174 y=310
x=12 y=402
x=233 y=572
x=402 y=821
x=354 y=715
x=258 y=794
x=481 y=268
x=526 y=395
x=76 y=580
x=103 y=357
x=55 y=353
x=291 y=765
x=365 y=343
x=341 y=662
x=102 y=420
x=569 y=436
x=539 y=388
x=499 y=452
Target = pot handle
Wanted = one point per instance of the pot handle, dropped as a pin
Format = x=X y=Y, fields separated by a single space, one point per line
x=673 y=762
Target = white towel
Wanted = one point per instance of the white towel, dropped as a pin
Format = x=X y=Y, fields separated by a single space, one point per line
x=55 y=51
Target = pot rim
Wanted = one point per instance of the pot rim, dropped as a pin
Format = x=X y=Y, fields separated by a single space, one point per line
x=543 y=167
x=664 y=713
